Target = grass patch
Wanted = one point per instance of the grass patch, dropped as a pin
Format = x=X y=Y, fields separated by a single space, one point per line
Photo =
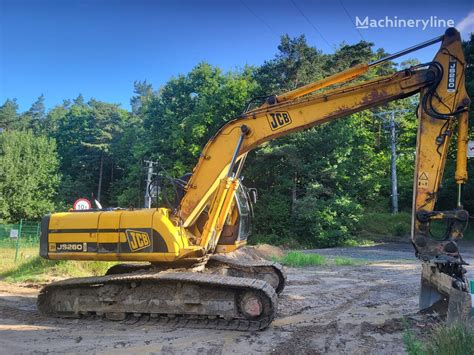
x=31 y=267
x=26 y=251
x=38 y=269
x=299 y=259
x=340 y=261
x=411 y=344
x=443 y=340
x=358 y=243
x=454 y=340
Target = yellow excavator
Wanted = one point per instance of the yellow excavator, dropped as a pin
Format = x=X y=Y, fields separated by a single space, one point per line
x=196 y=273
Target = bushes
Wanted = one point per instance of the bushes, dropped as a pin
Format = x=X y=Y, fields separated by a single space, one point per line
x=313 y=223
x=28 y=175
x=381 y=225
x=326 y=223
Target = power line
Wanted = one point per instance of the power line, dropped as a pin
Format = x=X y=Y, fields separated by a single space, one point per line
x=259 y=18
x=311 y=24
x=350 y=18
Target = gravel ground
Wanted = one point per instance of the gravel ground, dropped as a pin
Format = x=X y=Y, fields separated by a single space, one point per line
x=391 y=252
x=380 y=252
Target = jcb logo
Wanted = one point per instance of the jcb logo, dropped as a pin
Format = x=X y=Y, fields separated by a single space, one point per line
x=137 y=240
x=277 y=120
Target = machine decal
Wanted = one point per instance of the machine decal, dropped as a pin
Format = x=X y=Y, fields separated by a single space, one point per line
x=423 y=179
x=137 y=240
x=156 y=242
x=451 y=85
x=278 y=119
x=69 y=247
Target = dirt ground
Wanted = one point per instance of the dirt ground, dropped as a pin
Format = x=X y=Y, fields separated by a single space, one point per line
x=359 y=309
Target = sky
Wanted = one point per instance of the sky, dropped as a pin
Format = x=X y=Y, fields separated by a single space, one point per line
x=61 y=48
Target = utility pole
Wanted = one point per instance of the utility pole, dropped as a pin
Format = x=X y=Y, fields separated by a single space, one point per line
x=148 y=183
x=393 y=140
x=393 y=149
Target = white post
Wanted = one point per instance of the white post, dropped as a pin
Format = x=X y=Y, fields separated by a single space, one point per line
x=393 y=139
x=148 y=183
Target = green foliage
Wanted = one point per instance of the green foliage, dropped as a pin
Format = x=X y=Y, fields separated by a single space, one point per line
x=451 y=340
x=86 y=134
x=376 y=225
x=299 y=259
x=294 y=65
x=29 y=175
x=457 y=339
x=38 y=269
x=326 y=222
x=411 y=344
x=9 y=115
x=358 y=243
x=188 y=110
x=340 y=261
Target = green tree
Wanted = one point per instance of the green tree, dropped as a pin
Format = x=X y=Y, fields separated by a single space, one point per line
x=143 y=92
x=35 y=116
x=188 y=110
x=85 y=133
x=294 y=65
x=9 y=115
x=29 y=176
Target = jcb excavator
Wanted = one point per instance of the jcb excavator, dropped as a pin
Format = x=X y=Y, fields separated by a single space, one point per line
x=197 y=275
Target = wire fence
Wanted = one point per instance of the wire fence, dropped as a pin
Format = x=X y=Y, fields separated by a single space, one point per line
x=19 y=235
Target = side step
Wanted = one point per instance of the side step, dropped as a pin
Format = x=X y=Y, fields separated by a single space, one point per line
x=203 y=300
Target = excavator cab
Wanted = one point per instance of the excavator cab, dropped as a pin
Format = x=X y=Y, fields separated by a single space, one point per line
x=236 y=232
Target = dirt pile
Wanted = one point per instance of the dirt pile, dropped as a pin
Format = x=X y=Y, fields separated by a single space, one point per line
x=265 y=251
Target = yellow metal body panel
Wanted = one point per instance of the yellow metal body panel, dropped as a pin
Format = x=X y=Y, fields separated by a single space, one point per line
x=140 y=235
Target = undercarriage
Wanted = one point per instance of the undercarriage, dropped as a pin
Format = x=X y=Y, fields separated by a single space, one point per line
x=220 y=294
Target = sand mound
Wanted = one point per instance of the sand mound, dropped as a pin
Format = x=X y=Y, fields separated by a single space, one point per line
x=265 y=251
x=256 y=252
